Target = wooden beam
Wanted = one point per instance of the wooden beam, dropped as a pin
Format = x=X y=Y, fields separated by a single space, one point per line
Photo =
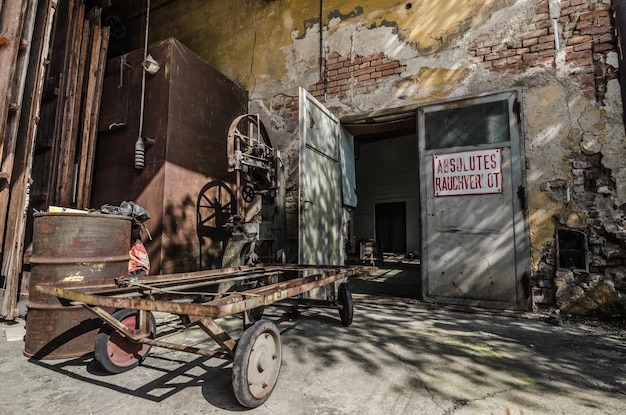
x=13 y=121
x=12 y=18
x=85 y=145
x=14 y=239
x=63 y=92
x=74 y=78
x=93 y=132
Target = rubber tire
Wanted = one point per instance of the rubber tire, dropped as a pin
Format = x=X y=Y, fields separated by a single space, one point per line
x=107 y=336
x=247 y=357
x=346 y=308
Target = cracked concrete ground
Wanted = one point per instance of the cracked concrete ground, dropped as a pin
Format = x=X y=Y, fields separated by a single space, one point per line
x=398 y=357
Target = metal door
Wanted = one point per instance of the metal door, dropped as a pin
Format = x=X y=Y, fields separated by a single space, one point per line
x=319 y=236
x=474 y=241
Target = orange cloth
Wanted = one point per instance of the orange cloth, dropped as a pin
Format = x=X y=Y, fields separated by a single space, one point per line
x=139 y=263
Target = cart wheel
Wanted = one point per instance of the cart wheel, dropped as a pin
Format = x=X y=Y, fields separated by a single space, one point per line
x=114 y=351
x=257 y=363
x=344 y=300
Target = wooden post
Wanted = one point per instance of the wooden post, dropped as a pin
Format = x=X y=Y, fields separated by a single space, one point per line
x=11 y=20
x=13 y=122
x=14 y=239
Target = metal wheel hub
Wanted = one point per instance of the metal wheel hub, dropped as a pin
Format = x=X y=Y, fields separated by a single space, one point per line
x=264 y=365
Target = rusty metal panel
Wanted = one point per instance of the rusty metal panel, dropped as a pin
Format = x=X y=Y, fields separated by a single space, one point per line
x=188 y=108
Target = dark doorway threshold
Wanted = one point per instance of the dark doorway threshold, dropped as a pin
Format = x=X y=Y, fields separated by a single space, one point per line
x=390 y=279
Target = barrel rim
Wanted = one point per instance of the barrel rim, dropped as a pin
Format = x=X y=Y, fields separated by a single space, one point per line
x=81 y=215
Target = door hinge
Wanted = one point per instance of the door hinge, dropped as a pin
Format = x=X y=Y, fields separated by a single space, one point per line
x=521 y=195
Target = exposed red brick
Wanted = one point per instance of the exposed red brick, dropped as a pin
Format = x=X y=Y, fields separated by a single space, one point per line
x=499 y=62
x=542 y=46
x=595 y=14
x=545 y=25
x=594 y=31
x=584 y=46
x=578 y=55
x=541 y=16
x=482 y=51
x=581 y=8
x=535 y=33
x=375 y=75
x=545 y=61
x=522 y=51
x=584 y=24
x=604 y=22
x=334 y=90
x=529 y=42
x=363 y=77
x=487 y=64
x=547 y=38
x=507 y=53
x=373 y=57
x=498 y=48
x=399 y=69
x=530 y=56
x=343 y=76
x=364 y=65
x=603 y=47
x=491 y=56
x=513 y=59
x=390 y=65
x=335 y=66
x=575 y=2
x=388 y=72
x=578 y=39
x=364 y=71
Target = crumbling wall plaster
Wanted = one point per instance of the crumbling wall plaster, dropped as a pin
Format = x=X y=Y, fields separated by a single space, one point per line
x=362 y=56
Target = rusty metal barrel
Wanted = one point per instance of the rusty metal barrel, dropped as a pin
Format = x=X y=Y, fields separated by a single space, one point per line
x=71 y=250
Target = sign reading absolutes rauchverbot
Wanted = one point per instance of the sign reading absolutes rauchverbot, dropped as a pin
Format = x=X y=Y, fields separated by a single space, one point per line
x=468 y=173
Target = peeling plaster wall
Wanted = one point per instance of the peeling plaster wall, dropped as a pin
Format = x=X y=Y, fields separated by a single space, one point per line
x=363 y=56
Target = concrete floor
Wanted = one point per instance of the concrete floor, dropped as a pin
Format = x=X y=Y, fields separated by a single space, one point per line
x=395 y=280
x=400 y=356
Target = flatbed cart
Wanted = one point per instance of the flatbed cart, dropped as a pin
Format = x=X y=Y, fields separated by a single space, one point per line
x=199 y=298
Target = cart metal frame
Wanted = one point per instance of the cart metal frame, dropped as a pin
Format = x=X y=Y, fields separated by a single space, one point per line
x=199 y=298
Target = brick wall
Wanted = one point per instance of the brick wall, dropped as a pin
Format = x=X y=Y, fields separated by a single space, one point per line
x=587 y=36
x=354 y=75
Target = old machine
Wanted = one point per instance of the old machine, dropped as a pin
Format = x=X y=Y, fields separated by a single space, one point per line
x=125 y=304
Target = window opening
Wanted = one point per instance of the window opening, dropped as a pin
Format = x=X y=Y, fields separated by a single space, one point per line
x=484 y=123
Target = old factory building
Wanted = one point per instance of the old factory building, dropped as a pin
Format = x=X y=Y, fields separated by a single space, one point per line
x=483 y=139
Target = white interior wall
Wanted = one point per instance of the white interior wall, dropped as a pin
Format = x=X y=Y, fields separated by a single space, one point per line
x=386 y=171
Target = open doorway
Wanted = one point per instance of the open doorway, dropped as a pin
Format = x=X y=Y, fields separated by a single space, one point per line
x=386 y=221
x=390 y=221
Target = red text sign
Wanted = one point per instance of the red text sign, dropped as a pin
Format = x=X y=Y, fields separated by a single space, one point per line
x=468 y=172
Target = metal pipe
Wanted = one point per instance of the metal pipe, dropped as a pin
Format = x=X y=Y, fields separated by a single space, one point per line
x=140 y=144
